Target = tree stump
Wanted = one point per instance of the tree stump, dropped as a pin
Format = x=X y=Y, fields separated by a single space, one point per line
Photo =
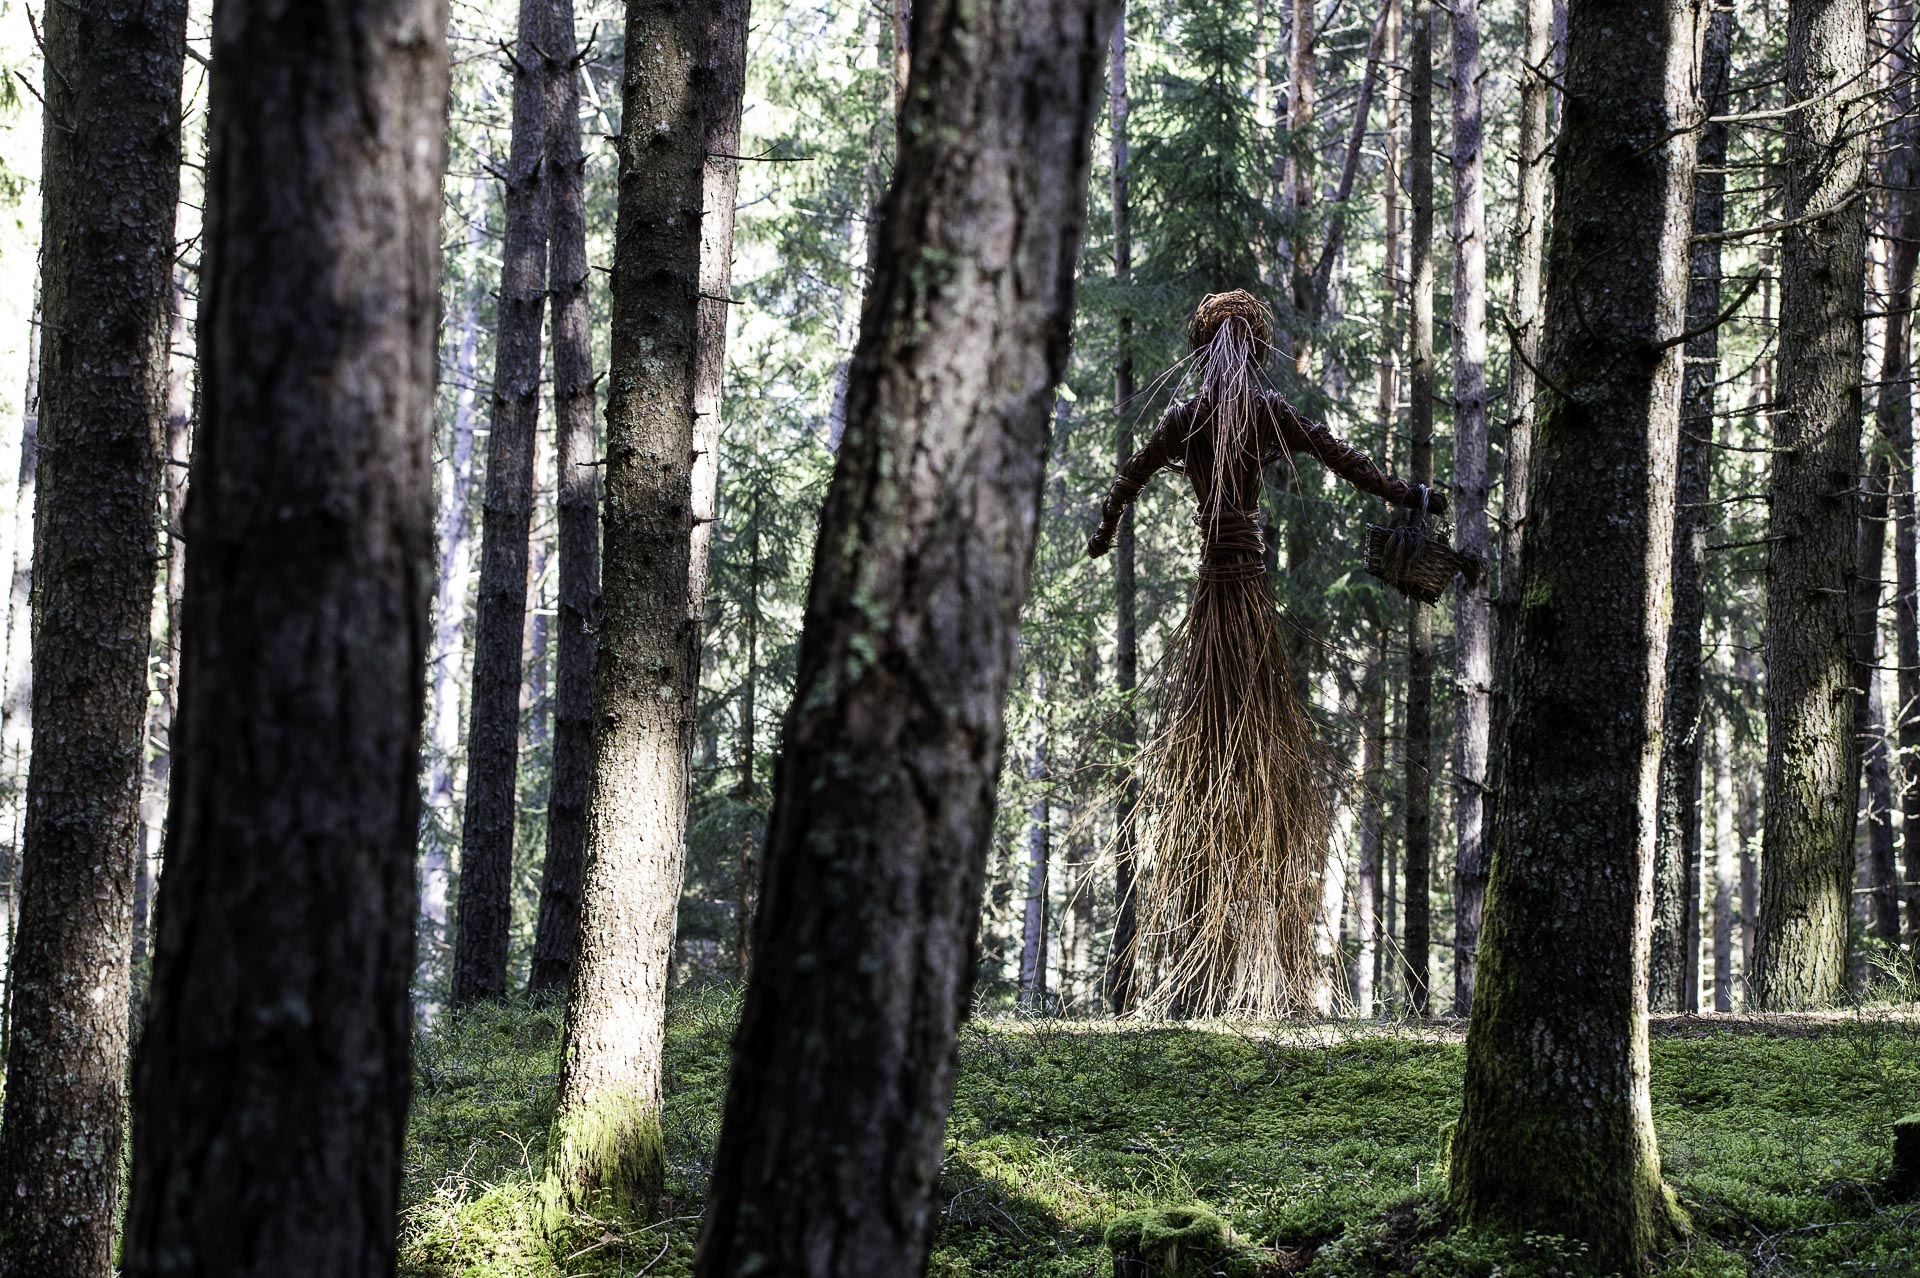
x=1180 y=1242
x=1906 y=1156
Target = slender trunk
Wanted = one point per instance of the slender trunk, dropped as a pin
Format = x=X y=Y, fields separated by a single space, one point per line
x=1883 y=890
x=1677 y=853
x=577 y=477
x=1335 y=237
x=1725 y=866
x=1126 y=652
x=271 y=1095
x=1894 y=420
x=15 y=708
x=110 y=189
x=883 y=811
x=1033 y=932
x=493 y=719
x=1419 y=732
x=1807 y=866
x=1297 y=177
x=164 y=706
x=455 y=556
x=1472 y=612
x=1532 y=165
x=748 y=790
x=1556 y=1127
x=1373 y=779
x=684 y=61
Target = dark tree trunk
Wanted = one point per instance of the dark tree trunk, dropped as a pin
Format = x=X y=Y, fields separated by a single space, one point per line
x=1894 y=420
x=1529 y=248
x=1033 y=930
x=493 y=720
x=111 y=182
x=576 y=465
x=683 y=61
x=1806 y=867
x=1556 y=1129
x=1676 y=864
x=1473 y=619
x=883 y=811
x=271 y=1095
x=1419 y=738
x=1126 y=652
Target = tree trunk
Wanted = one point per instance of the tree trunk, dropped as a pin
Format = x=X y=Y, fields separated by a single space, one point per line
x=1296 y=183
x=15 y=707
x=110 y=187
x=1893 y=416
x=1807 y=865
x=493 y=720
x=883 y=813
x=1676 y=873
x=1725 y=866
x=748 y=790
x=1373 y=779
x=455 y=555
x=1473 y=620
x=1126 y=651
x=1033 y=932
x=271 y=1095
x=683 y=61
x=1556 y=1129
x=1532 y=165
x=576 y=467
x=1876 y=810
x=1419 y=737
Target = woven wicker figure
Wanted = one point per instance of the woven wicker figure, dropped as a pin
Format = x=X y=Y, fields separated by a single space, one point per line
x=1235 y=800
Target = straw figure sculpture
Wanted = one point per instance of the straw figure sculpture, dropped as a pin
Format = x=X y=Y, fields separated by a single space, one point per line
x=1235 y=799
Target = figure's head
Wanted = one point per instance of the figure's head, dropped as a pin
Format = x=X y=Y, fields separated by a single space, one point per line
x=1216 y=309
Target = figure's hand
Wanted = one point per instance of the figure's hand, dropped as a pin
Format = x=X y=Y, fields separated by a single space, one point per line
x=1436 y=502
x=1099 y=544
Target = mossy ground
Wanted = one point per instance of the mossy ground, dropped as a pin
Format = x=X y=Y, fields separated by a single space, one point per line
x=1320 y=1143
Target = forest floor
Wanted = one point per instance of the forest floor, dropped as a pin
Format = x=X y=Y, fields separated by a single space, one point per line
x=1318 y=1144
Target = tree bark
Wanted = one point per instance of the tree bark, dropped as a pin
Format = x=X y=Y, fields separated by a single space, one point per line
x=1677 y=851
x=1126 y=651
x=1373 y=779
x=271 y=1094
x=1033 y=932
x=16 y=706
x=748 y=791
x=454 y=547
x=1556 y=1129
x=1419 y=734
x=883 y=814
x=682 y=61
x=110 y=187
x=1725 y=866
x=487 y=826
x=1473 y=619
x=576 y=466
x=1532 y=173
x=1806 y=866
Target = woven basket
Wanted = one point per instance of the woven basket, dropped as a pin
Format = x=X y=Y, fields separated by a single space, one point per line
x=1413 y=556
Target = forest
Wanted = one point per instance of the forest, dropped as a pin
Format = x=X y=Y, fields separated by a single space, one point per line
x=1037 y=638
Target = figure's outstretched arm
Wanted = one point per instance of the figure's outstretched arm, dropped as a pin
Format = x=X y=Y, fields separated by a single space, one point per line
x=1348 y=462
x=1160 y=451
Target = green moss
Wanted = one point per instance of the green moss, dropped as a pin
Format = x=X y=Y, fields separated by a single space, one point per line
x=1322 y=1155
x=1178 y=1242
x=607 y=1158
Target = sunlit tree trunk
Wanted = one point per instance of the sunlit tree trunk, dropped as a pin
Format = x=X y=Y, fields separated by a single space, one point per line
x=111 y=151
x=1807 y=864
x=883 y=809
x=1676 y=873
x=1373 y=779
x=1556 y=1128
x=493 y=719
x=1473 y=619
x=1726 y=861
x=1033 y=931
x=271 y=1094
x=684 y=63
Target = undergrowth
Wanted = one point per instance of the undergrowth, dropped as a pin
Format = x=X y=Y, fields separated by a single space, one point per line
x=1318 y=1146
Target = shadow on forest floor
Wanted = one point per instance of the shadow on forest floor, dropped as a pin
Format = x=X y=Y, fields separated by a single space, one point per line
x=1319 y=1140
